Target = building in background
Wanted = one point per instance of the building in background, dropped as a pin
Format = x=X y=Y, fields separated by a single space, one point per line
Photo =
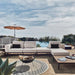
x=6 y=40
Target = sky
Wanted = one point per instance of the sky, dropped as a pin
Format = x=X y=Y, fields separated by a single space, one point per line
x=40 y=17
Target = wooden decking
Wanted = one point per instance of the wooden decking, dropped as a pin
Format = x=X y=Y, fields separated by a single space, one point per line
x=53 y=66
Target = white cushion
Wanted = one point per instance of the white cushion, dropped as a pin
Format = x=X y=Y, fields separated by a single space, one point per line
x=59 y=51
x=29 y=50
x=42 y=49
x=30 y=44
x=14 y=50
x=19 y=42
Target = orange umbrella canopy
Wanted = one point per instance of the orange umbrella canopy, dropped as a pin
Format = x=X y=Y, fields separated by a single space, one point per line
x=14 y=27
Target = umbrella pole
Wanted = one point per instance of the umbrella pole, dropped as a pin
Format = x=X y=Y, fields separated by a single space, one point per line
x=14 y=34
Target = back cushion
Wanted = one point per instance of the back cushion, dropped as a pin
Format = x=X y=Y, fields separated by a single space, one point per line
x=30 y=44
x=54 y=45
x=19 y=42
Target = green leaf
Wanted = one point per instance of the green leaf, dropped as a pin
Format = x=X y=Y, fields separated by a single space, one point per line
x=5 y=68
x=1 y=61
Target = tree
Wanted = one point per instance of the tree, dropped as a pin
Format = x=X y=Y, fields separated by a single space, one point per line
x=69 y=39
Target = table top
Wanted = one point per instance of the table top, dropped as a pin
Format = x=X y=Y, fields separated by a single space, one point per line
x=67 y=61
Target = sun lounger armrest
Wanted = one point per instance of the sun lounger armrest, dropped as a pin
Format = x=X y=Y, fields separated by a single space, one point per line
x=7 y=47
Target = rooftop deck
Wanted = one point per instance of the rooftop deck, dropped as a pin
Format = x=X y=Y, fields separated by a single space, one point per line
x=53 y=70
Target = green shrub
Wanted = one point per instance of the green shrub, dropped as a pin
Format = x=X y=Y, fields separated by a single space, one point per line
x=38 y=45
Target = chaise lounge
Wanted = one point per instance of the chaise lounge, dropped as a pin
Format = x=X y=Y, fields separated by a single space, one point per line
x=57 y=48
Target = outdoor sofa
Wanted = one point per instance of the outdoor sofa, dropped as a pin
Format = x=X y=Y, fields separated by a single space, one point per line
x=54 y=48
x=20 y=47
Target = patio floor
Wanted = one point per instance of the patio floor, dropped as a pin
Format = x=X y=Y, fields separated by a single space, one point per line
x=53 y=70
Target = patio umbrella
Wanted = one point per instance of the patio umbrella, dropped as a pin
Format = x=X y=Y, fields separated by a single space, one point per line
x=14 y=28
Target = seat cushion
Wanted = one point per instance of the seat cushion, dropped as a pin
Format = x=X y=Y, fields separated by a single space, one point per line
x=29 y=50
x=14 y=50
x=42 y=49
x=59 y=51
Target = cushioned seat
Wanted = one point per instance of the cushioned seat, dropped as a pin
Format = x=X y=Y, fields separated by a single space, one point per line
x=28 y=50
x=59 y=51
x=42 y=49
x=18 y=50
x=22 y=50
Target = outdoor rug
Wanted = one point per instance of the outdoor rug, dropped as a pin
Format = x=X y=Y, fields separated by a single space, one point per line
x=34 y=68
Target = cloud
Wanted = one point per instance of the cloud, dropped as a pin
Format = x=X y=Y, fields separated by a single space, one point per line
x=40 y=17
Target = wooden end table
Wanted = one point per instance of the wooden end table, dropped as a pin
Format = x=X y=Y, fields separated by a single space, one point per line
x=68 y=61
